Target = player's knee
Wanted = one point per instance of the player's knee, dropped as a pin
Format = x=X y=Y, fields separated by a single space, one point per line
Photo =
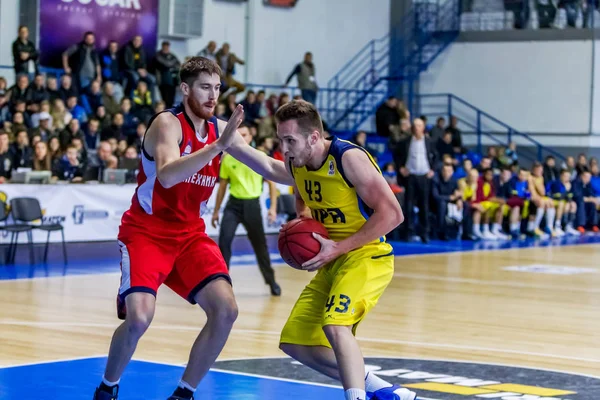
x=138 y=322
x=225 y=313
x=288 y=349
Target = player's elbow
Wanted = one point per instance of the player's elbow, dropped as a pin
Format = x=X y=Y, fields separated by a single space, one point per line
x=397 y=215
x=164 y=179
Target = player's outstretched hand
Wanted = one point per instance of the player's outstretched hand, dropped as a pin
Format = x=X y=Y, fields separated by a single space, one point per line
x=228 y=135
x=329 y=252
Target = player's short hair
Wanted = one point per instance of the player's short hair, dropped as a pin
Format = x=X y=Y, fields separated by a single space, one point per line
x=304 y=113
x=192 y=68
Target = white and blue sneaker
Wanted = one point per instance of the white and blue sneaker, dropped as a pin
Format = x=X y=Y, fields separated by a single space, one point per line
x=393 y=393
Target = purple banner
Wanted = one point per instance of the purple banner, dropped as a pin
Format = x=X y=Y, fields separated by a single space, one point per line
x=63 y=23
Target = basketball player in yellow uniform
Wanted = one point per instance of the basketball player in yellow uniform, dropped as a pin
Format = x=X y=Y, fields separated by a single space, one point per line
x=338 y=184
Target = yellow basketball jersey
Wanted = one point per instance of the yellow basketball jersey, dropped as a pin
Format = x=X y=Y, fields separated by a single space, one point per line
x=331 y=198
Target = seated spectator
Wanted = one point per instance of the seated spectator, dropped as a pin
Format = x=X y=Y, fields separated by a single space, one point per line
x=18 y=122
x=42 y=160
x=69 y=168
x=37 y=93
x=77 y=111
x=159 y=107
x=142 y=101
x=34 y=140
x=542 y=203
x=230 y=105
x=562 y=195
x=581 y=163
x=135 y=65
x=514 y=191
x=485 y=163
x=67 y=89
x=111 y=73
x=21 y=107
x=19 y=92
x=443 y=146
x=265 y=144
x=109 y=99
x=551 y=173
x=44 y=130
x=54 y=148
x=492 y=154
x=438 y=130
x=60 y=115
x=82 y=154
x=73 y=130
x=456 y=135
x=104 y=118
x=444 y=190
x=251 y=109
x=44 y=108
x=22 y=153
x=139 y=137
x=6 y=158
x=92 y=135
x=390 y=175
x=52 y=89
x=587 y=202
x=130 y=121
x=92 y=98
x=491 y=205
x=115 y=130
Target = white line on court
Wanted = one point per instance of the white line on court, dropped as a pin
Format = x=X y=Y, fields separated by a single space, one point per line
x=277 y=333
x=495 y=283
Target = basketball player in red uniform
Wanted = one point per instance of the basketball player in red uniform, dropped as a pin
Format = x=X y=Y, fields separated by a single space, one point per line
x=162 y=236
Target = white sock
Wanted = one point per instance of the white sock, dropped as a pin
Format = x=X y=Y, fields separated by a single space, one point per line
x=485 y=228
x=109 y=383
x=184 y=385
x=476 y=230
x=515 y=226
x=373 y=383
x=550 y=214
x=356 y=394
x=530 y=226
x=557 y=224
x=538 y=217
x=497 y=228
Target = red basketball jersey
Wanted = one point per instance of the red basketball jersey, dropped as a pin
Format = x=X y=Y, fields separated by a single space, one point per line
x=183 y=204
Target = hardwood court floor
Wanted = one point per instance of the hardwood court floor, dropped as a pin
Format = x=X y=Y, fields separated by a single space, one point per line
x=457 y=306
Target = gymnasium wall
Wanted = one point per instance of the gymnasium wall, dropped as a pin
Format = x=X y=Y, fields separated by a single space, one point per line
x=540 y=87
x=9 y=24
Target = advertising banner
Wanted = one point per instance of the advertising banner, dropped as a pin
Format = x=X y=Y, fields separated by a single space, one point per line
x=63 y=23
x=93 y=212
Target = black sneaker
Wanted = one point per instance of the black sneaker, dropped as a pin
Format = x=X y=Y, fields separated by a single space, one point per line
x=178 y=398
x=103 y=395
x=275 y=289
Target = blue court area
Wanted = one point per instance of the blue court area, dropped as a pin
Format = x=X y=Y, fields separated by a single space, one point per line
x=77 y=379
x=103 y=258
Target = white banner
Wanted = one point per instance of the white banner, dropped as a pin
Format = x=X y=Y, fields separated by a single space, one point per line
x=92 y=212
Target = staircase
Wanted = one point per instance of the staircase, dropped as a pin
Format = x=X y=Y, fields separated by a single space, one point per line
x=391 y=64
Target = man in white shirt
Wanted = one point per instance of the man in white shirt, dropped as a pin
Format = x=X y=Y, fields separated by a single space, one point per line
x=415 y=160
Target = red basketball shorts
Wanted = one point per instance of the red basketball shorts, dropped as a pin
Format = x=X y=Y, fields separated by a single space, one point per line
x=184 y=260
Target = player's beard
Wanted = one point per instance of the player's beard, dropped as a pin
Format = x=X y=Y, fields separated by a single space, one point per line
x=198 y=109
x=305 y=156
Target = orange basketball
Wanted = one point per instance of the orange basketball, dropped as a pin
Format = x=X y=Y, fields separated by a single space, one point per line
x=296 y=242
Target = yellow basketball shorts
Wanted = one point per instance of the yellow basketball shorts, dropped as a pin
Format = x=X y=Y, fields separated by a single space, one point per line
x=341 y=293
x=489 y=207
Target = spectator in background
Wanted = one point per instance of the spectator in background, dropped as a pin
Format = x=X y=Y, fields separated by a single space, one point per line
x=42 y=161
x=92 y=135
x=69 y=168
x=82 y=62
x=543 y=204
x=60 y=115
x=77 y=111
x=508 y=193
x=67 y=89
x=551 y=173
x=115 y=130
x=72 y=131
x=109 y=99
x=230 y=105
x=562 y=195
x=138 y=139
x=570 y=166
x=44 y=108
x=444 y=146
x=19 y=92
x=251 y=109
x=18 y=122
x=130 y=121
x=167 y=70
x=437 y=131
x=111 y=69
x=25 y=56
x=142 y=101
x=37 y=93
x=307 y=80
x=587 y=202
x=415 y=160
x=456 y=135
x=54 y=148
x=135 y=65
x=444 y=190
x=581 y=163
x=511 y=153
x=265 y=144
x=387 y=118
x=104 y=118
x=227 y=61
x=92 y=99
x=52 y=88
x=209 y=51
x=44 y=130
x=6 y=158
x=159 y=106
x=22 y=153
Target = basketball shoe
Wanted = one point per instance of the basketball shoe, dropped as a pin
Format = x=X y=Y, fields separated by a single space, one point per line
x=392 y=393
x=103 y=395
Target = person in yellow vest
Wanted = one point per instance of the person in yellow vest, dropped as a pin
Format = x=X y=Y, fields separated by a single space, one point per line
x=243 y=207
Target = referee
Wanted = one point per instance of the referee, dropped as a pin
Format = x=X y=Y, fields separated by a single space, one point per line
x=243 y=207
